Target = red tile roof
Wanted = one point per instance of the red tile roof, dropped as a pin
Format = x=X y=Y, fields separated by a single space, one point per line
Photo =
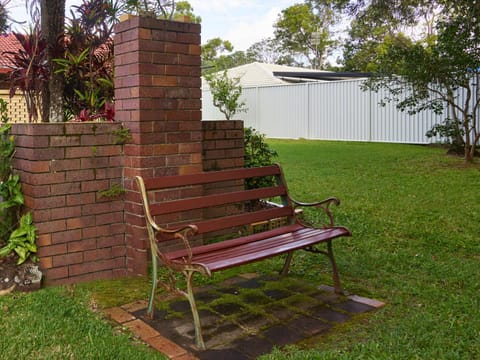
x=8 y=42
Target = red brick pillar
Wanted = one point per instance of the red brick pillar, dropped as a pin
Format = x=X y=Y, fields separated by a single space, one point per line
x=157 y=96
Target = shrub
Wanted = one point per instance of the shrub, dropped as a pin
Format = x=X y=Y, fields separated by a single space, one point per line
x=257 y=153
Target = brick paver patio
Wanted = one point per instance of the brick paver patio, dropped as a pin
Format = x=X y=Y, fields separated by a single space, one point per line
x=243 y=317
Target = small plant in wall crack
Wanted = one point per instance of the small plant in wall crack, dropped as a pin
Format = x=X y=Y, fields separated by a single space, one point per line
x=114 y=191
x=122 y=136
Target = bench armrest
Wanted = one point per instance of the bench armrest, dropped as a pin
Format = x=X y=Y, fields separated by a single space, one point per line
x=323 y=204
x=153 y=228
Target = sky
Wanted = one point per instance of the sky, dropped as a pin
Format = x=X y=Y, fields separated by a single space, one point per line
x=242 y=22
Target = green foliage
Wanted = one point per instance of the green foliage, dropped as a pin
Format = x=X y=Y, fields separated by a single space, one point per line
x=7 y=144
x=30 y=71
x=122 y=136
x=163 y=9
x=269 y=51
x=226 y=93
x=10 y=192
x=154 y=8
x=22 y=240
x=11 y=201
x=451 y=131
x=114 y=191
x=87 y=64
x=257 y=153
x=431 y=74
x=213 y=57
x=15 y=235
x=304 y=30
x=220 y=54
x=183 y=8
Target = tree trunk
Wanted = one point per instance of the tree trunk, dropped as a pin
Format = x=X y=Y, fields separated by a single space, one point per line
x=53 y=25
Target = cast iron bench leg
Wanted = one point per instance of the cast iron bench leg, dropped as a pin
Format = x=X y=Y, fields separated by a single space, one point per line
x=335 y=277
x=286 y=265
x=150 y=311
x=196 y=319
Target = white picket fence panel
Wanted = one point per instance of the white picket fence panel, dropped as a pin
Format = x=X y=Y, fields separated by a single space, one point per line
x=338 y=110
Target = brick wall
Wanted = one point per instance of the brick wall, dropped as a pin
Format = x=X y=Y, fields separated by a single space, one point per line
x=222 y=144
x=63 y=168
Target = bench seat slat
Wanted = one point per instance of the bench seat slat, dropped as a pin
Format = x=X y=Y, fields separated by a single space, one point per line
x=231 y=256
x=197 y=250
x=206 y=201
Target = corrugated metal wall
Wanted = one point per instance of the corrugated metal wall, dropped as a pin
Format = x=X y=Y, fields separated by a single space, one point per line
x=337 y=110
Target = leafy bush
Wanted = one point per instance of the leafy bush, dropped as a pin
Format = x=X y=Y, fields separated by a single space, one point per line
x=450 y=129
x=15 y=235
x=30 y=72
x=88 y=62
x=257 y=153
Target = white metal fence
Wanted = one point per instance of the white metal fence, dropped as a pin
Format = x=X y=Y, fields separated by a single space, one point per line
x=337 y=110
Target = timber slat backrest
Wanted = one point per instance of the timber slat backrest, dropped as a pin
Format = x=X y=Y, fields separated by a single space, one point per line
x=210 y=177
x=227 y=196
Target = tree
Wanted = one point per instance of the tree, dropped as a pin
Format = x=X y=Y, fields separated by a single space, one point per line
x=364 y=46
x=376 y=22
x=269 y=51
x=212 y=50
x=387 y=12
x=433 y=73
x=52 y=26
x=226 y=93
x=3 y=17
x=183 y=8
x=305 y=30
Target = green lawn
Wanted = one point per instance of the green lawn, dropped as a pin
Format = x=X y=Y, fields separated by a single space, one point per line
x=415 y=217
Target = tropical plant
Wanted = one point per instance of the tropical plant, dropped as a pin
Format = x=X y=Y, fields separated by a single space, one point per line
x=88 y=62
x=12 y=200
x=22 y=240
x=15 y=235
x=9 y=185
x=29 y=71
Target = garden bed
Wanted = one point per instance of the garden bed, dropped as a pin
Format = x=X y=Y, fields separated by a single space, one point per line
x=13 y=277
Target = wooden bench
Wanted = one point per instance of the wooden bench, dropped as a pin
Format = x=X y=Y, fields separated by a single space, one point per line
x=223 y=206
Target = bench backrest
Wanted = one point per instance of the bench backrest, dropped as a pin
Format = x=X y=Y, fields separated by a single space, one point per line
x=218 y=200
